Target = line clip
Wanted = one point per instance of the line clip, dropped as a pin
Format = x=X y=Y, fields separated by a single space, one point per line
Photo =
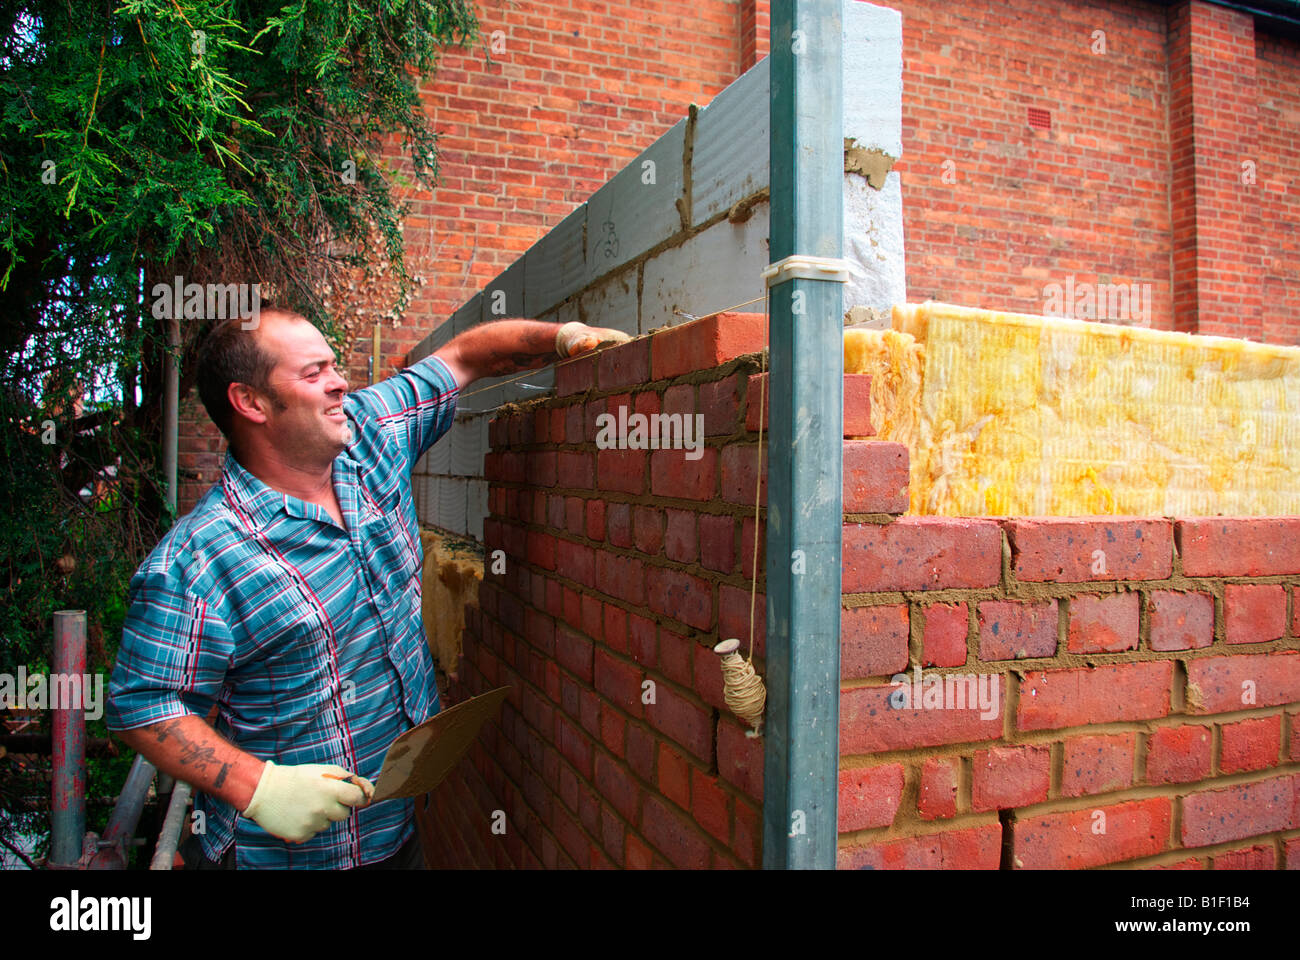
x=801 y=267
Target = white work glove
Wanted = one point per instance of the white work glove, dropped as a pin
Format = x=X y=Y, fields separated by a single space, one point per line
x=575 y=337
x=296 y=802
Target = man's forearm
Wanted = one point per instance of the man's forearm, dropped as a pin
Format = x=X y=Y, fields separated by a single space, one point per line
x=499 y=348
x=189 y=749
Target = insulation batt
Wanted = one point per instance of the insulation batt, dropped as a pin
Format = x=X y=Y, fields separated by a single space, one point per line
x=1014 y=415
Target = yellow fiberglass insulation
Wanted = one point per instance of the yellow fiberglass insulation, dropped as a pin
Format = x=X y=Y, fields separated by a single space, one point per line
x=1015 y=415
x=451 y=575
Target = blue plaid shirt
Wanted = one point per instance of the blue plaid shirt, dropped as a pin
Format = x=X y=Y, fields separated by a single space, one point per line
x=308 y=638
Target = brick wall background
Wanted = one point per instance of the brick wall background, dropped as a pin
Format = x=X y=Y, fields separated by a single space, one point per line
x=1148 y=669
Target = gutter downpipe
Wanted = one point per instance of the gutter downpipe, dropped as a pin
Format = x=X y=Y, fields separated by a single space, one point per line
x=805 y=509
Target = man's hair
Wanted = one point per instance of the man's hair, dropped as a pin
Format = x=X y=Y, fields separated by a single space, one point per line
x=230 y=354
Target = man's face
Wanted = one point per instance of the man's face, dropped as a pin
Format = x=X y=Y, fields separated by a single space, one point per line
x=306 y=418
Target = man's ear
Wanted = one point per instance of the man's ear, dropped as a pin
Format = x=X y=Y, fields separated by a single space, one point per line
x=248 y=402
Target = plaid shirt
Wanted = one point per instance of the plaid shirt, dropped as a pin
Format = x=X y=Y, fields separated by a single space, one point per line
x=308 y=638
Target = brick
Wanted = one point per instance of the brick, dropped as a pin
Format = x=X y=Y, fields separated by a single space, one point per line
x=1237 y=812
x=1180 y=621
x=1295 y=611
x=1070 y=841
x=875 y=477
x=710 y=805
x=675 y=656
x=641 y=752
x=704 y=344
x=618 y=524
x=679 y=536
x=747 y=545
x=673 y=835
x=1103 y=624
x=857 y=404
x=719 y=403
x=575 y=521
x=1258 y=857
x=707 y=671
x=921 y=553
x=595 y=519
x=740 y=758
x=674 y=776
x=540 y=549
x=679 y=400
x=1223 y=684
x=873 y=641
x=1291 y=853
x=576 y=561
x=612 y=831
x=1251 y=744
x=1003 y=778
x=574 y=423
x=1077 y=697
x=740 y=477
x=1072 y=550
x=673 y=473
x=972 y=848
x=1239 y=546
x=749 y=834
x=937 y=796
x=686 y=723
x=621 y=577
x=1097 y=764
x=869 y=724
x=542 y=468
x=1253 y=612
x=575 y=375
x=1012 y=630
x=717 y=538
x=574 y=653
x=648 y=529
x=595 y=425
x=626 y=365
x=943 y=635
x=574 y=469
x=680 y=595
x=869 y=796
x=620 y=471
x=613 y=729
x=734 y=617
x=619 y=681
x=638 y=855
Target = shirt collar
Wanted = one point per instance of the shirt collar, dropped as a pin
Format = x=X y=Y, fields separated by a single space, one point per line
x=263 y=503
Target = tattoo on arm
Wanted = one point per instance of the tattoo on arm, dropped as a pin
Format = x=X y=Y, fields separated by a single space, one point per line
x=191 y=754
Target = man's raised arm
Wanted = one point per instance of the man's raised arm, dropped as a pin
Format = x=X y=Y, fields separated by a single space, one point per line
x=508 y=346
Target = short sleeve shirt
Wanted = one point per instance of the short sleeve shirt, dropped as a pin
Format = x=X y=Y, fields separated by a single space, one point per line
x=307 y=637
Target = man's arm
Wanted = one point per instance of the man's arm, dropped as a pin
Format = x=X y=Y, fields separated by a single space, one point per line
x=508 y=346
x=189 y=749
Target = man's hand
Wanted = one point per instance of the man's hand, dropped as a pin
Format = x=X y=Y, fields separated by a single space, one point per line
x=577 y=337
x=297 y=802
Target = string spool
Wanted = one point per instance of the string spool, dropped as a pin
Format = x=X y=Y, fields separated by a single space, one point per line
x=742 y=689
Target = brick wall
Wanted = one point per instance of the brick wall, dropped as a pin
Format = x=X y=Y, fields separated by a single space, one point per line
x=1147 y=669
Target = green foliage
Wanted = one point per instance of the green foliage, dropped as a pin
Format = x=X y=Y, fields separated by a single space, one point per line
x=224 y=141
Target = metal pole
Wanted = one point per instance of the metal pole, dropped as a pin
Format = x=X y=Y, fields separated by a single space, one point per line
x=126 y=814
x=171 y=408
x=804 y=512
x=68 y=803
x=164 y=853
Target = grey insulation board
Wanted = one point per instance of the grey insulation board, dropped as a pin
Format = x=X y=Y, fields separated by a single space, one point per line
x=732 y=134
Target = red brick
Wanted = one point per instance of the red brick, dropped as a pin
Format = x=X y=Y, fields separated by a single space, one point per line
x=626 y=365
x=937 y=797
x=1295 y=611
x=638 y=856
x=673 y=473
x=1251 y=744
x=673 y=835
x=1012 y=630
x=870 y=724
x=622 y=577
x=1003 y=778
x=1070 y=550
x=734 y=617
x=704 y=344
x=717 y=537
x=615 y=786
x=1258 y=857
x=620 y=471
x=1075 y=840
x=1239 y=546
x=595 y=519
x=921 y=553
x=875 y=477
x=575 y=375
x=574 y=469
x=679 y=536
x=680 y=595
x=749 y=834
x=612 y=729
x=574 y=653
x=747 y=545
x=619 y=681
x=687 y=723
x=943 y=636
x=541 y=549
x=857 y=404
x=873 y=641
x=1223 y=684
x=679 y=400
x=1291 y=853
x=576 y=561
x=1179 y=754
x=1103 y=624
x=675 y=656
x=740 y=758
x=972 y=848
x=719 y=403
x=648 y=529
x=593 y=425
x=541 y=468
x=1245 y=810
x=674 y=776
x=1097 y=764
x=542 y=425
x=869 y=796
x=618 y=524
x=1081 y=696
x=1180 y=621
x=1254 y=612
x=612 y=831
x=740 y=479
x=710 y=805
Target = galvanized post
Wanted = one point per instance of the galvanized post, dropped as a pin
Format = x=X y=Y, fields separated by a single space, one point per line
x=804 y=512
x=68 y=747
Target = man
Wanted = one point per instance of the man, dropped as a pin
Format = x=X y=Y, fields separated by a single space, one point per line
x=288 y=601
